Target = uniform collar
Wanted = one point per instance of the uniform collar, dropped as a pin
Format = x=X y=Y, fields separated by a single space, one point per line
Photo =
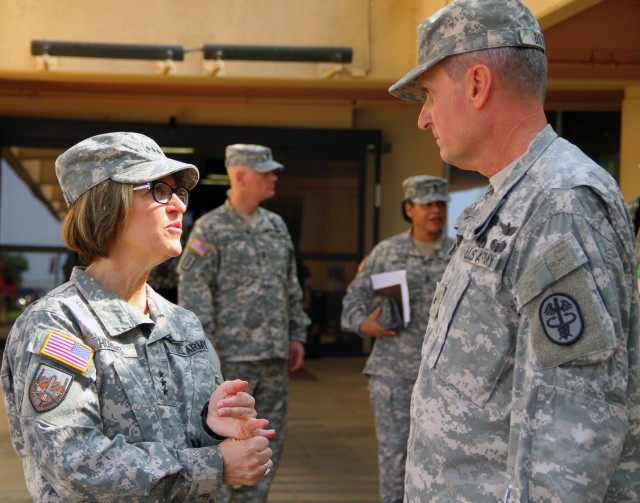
x=491 y=202
x=159 y=308
x=408 y=236
x=261 y=224
x=115 y=315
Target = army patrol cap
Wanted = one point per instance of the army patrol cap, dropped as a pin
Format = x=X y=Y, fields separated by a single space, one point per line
x=256 y=157
x=425 y=189
x=467 y=26
x=122 y=157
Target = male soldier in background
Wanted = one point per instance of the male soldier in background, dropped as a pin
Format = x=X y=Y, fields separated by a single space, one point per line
x=528 y=387
x=238 y=275
x=393 y=365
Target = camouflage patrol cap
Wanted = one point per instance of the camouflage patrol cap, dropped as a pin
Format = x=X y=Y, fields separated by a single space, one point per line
x=122 y=157
x=256 y=157
x=466 y=26
x=424 y=189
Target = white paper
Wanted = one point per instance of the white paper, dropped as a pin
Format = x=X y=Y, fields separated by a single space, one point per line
x=399 y=277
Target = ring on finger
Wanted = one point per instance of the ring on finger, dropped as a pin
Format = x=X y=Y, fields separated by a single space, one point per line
x=267 y=471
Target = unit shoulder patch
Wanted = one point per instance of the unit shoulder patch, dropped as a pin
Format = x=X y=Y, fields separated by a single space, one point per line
x=561 y=319
x=187 y=261
x=49 y=388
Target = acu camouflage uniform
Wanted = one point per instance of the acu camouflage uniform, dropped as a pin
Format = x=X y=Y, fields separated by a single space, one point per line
x=528 y=388
x=634 y=210
x=394 y=361
x=127 y=425
x=240 y=280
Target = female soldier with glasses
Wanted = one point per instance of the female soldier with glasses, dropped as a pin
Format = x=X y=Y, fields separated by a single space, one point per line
x=112 y=392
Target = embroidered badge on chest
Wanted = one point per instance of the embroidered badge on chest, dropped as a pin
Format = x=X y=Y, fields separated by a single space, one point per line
x=507 y=229
x=48 y=388
x=561 y=319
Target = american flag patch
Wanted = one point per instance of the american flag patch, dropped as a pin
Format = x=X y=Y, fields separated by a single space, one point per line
x=199 y=247
x=64 y=349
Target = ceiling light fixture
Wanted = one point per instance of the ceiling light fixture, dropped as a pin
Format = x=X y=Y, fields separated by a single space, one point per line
x=311 y=54
x=107 y=50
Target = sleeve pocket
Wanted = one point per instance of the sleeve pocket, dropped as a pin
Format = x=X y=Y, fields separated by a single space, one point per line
x=574 y=435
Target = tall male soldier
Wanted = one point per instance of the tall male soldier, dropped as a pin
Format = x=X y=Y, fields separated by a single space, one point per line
x=528 y=386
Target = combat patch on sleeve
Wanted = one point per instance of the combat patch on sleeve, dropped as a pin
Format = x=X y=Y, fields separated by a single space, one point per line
x=198 y=247
x=49 y=388
x=65 y=349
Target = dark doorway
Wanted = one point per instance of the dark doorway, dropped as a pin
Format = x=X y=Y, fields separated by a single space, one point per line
x=321 y=195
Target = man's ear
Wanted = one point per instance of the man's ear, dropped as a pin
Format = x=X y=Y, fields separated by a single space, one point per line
x=236 y=174
x=479 y=84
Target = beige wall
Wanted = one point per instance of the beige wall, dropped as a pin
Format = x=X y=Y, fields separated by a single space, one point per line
x=412 y=152
x=382 y=34
x=375 y=30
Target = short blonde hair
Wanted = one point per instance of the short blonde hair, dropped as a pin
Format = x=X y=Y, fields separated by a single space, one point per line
x=95 y=220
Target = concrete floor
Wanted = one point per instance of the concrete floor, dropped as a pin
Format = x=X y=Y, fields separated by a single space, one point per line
x=330 y=452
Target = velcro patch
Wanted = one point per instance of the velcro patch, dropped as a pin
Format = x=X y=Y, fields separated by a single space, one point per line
x=48 y=388
x=187 y=262
x=198 y=247
x=67 y=350
x=573 y=329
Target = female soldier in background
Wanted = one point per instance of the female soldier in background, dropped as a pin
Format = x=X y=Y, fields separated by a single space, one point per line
x=393 y=364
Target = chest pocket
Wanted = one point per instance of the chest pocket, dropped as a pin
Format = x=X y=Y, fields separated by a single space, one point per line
x=470 y=340
x=128 y=404
x=247 y=257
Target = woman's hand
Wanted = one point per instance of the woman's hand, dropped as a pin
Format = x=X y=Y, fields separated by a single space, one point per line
x=372 y=328
x=232 y=413
x=245 y=461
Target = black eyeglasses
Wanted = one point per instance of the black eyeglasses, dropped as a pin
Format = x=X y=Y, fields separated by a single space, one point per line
x=163 y=192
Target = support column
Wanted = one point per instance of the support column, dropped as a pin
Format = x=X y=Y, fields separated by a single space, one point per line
x=630 y=143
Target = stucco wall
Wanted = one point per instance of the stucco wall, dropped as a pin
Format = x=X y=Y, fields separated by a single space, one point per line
x=382 y=34
x=375 y=30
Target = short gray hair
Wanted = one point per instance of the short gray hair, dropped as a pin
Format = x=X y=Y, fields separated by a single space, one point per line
x=523 y=70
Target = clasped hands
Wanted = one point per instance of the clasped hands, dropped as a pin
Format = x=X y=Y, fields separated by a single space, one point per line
x=246 y=454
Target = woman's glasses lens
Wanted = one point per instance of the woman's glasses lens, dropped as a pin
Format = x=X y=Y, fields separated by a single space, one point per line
x=162 y=193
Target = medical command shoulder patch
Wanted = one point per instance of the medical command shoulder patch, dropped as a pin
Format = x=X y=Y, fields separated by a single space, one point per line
x=561 y=319
x=48 y=388
x=66 y=350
